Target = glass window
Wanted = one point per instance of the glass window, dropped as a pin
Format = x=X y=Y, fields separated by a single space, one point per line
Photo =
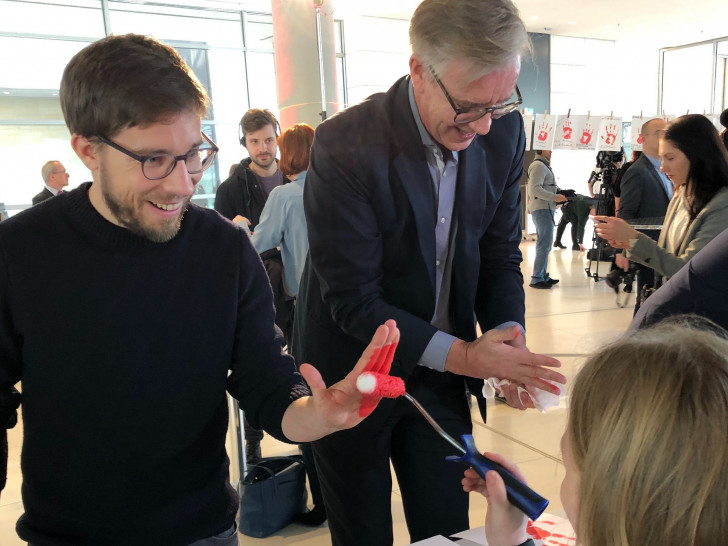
x=25 y=148
x=71 y=18
x=262 y=81
x=209 y=28
x=259 y=32
x=687 y=77
x=29 y=63
x=338 y=36
x=32 y=129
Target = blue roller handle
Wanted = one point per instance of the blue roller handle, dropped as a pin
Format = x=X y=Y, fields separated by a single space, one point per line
x=519 y=494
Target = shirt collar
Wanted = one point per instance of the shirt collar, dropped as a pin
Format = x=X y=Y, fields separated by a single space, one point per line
x=655 y=162
x=300 y=178
x=427 y=140
x=54 y=191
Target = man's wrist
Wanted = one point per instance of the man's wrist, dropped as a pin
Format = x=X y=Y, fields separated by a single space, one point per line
x=456 y=357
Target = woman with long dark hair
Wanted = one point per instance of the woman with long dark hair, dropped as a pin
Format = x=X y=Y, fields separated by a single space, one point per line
x=693 y=157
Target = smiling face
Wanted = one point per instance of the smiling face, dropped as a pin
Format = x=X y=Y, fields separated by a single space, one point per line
x=436 y=112
x=674 y=163
x=124 y=196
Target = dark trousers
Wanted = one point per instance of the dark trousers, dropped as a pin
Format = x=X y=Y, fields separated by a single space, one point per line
x=313 y=479
x=354 y=467
x=645 y=277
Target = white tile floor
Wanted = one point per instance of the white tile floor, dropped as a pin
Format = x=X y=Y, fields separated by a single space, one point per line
x=571 y=320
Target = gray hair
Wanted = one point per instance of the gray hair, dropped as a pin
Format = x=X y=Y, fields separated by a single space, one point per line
x=488 y=34
x=48 y=169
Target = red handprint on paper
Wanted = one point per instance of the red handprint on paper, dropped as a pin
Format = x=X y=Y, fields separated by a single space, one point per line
x=640 y=139
x=544 y=131
x=586 y=135
x=567 y=130
x=611 y=137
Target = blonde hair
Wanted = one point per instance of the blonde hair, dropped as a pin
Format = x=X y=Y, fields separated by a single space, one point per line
x=648 y=426
x=489 y=34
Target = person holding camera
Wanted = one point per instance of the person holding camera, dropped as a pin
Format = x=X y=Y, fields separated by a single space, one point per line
x=696 y=162
x=542 y=199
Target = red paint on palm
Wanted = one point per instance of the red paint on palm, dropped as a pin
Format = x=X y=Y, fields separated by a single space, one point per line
x=380 y=362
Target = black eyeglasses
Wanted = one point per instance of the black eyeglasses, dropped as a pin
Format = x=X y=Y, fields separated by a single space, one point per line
x=468 y=115
x=158 y=166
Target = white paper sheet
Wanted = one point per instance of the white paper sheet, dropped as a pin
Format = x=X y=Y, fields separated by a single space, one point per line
x=438 y=540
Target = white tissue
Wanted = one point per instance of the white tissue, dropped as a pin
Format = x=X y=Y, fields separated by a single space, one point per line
x=542 y=400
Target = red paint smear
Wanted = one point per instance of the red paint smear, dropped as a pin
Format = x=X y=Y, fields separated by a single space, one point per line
x=386 y=386
x=380 y=363
x=535 y=532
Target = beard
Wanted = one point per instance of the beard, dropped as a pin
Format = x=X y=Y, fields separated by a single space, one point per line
x=131 y=218
x=264 y=164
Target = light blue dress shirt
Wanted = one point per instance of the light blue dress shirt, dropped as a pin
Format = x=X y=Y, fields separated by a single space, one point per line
x=443 y=173
x=283 y=224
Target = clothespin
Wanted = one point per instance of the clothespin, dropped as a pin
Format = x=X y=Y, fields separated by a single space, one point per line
x=611 y=115
x=568 y=113
x=588 y=114
x=640 y=114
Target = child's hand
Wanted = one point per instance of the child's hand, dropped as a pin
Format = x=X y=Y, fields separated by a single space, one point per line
x=505 y=525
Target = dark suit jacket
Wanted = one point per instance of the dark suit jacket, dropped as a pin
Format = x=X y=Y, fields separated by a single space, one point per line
x=370 y=211
x=42 y=196
x=699 y=288
x=643 y=195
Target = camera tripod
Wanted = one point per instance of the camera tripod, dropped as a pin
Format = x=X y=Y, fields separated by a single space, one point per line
x=604 y=205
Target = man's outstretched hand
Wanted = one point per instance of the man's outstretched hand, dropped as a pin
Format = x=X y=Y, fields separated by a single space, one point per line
x=338 y=406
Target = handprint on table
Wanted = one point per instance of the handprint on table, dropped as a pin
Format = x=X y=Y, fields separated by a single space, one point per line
x=586 y=135
x=611 y=135
x=567 y=130
x=544 y=131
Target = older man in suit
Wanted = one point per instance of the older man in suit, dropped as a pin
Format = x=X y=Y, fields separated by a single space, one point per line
x=412 y=202
x=55 y=178
x=646 y=193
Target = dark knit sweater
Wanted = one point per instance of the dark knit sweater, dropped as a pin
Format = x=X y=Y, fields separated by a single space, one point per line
x=123 y=347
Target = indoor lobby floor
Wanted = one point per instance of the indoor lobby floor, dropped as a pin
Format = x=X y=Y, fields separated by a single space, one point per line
x=568 y=321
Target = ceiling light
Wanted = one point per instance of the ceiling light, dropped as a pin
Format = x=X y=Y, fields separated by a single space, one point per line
x=534 y=17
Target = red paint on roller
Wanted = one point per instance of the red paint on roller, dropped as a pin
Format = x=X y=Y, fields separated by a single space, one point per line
x=379 y=363
x=378 y=384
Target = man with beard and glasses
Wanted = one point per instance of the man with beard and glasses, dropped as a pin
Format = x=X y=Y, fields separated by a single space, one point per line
x=158 y=307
